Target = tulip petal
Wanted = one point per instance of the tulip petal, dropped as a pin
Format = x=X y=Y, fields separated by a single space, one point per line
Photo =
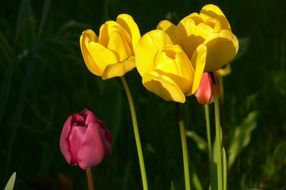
x=92 y=149
x=76 y=138
x=147 y=48
x=127 y=22
x=213 y=11
x=222 y=48
x=173 y=62
x=204 y=94
x=106 y=30
x=88 y=116
x=119 y=69
x=101 y=56
x=119 y=45
x=198 y=61
x=64 y=141
x=163 y=86
x=169 y=28
x=114 y=37
x=191 y=33
x=86 y=37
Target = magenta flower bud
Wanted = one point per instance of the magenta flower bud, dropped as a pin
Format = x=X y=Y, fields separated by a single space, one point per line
x=205 y=93
x=85 y=141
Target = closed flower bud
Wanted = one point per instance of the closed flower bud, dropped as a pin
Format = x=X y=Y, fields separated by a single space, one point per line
x=205 y=93
x=84 y=140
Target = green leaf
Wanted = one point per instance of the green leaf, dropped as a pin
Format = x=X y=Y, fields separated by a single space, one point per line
x=11 y=182
x=22 y=17
x=242 y=136
x=196 y=181
x=172 y=185
x=213 y=175
x=224 y=169
x=201 y=143
x=45 y=12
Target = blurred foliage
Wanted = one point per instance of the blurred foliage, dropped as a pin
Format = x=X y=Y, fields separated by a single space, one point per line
x=11 y=182
x=43 y=80
x=241 y=136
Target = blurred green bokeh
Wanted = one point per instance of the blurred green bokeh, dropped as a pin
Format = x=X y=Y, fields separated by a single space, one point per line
x=43 y=80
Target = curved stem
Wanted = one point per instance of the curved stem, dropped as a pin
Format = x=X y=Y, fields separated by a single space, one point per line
x=207 y=117
x=136 y=133
x=184 y=148
x=218 y=139
x=89 y=178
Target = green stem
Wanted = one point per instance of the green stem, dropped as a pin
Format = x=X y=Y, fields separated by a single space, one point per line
x=89 y=178
x=221 y=89
x=184 y=149
x=218 y=140
x=136 y=133
x=207 y=117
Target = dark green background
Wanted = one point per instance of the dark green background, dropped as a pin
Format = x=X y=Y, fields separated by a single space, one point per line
x=43 y=80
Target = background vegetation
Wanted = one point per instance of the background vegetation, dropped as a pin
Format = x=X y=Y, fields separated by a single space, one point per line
x=43 y=80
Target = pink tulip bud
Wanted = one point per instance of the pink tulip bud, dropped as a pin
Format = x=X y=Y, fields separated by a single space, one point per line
x=85 y=141
x=205 y=93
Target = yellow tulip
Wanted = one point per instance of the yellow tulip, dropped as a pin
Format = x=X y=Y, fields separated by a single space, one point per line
x=165 y=68
x=209 y=27
x=111 y=54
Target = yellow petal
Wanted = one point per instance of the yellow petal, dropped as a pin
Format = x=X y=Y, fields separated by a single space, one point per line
x=169 y=28
x=222 y=48
x=86 y=37
x=175 y=64
x=127 y=22
x=198 y=62
x=101 y=56
x=147 y=48
x=95 y=54
x=110 y=27
x=195 y=17
x=119 y=45
x=213 y=11
x=119 y=69
x=163 y=86
x=190 y=35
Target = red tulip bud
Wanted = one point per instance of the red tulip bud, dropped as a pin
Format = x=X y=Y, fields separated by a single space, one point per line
x=205 y=93
x=85 y=141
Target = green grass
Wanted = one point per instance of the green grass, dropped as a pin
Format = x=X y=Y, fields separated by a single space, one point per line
x=43 y=80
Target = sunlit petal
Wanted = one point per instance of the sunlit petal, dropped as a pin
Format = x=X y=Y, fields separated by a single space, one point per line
x=163 y=86
x=147 y=48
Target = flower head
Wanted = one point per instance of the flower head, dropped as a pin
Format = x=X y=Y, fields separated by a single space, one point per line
x=205 y=93
x=165 y=68
x=209 y=27
x=111 y=54
x=84 y=140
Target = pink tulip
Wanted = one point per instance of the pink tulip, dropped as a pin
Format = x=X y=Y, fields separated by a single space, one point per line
x=205 y=94
x=85 y=141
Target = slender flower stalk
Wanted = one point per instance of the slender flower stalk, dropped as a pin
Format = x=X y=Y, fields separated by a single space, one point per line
x=136 y=133
x=218 y=140
x=184 y=148
x=207 y=118
x=89 y=178
x=221 y=89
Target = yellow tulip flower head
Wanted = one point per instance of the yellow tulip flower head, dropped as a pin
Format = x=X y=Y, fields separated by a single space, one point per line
x=165 y=68
x=209 y=27
x=111 y=54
